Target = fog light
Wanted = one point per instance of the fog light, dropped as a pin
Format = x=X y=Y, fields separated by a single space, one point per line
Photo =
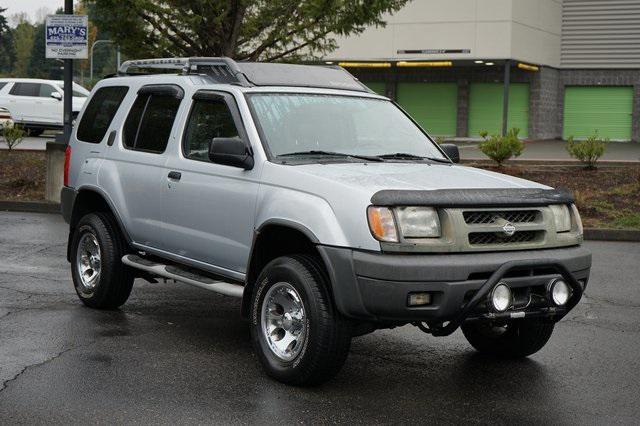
x=501 y=297
x=559 y=292
x=419 y=299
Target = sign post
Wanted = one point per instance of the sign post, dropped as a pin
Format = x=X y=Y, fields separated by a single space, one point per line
x=67 y=37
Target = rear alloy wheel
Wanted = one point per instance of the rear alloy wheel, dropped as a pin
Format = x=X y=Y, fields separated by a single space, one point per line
x=299 y=336
x=100 y=278
x=514 y=339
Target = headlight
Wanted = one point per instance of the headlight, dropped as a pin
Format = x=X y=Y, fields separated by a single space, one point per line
x=382 y=224
x=413 y=222
x=418 y=222
x=562 y=217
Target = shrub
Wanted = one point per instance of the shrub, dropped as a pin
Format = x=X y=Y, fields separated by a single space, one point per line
x=12 y=134
x=587 y=151
x=501 y=148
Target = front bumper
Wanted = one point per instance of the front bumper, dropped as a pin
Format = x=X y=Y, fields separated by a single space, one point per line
x=375 y=287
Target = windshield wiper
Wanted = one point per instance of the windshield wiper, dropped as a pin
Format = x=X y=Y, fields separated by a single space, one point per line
x=406 y=156
x=332 y=154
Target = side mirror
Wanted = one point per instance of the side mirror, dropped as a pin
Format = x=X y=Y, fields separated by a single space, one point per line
x=452 y=151
x=230 y=152
x=56 y=95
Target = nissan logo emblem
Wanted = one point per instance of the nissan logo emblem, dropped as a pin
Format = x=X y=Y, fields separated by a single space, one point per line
x=509 y=229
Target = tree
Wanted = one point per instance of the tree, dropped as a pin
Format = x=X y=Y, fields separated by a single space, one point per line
x=7 y=55
x=39 y=65
x=267 y=30
x=23 y=36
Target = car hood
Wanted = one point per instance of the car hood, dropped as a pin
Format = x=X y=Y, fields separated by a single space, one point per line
x=373 y=177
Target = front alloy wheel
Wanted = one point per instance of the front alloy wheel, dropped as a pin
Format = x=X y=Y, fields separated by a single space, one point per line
x=299 y=336
x=283 y=321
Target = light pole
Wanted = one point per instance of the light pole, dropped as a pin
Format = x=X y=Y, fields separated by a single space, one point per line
x=68 y=88
x=93 y=48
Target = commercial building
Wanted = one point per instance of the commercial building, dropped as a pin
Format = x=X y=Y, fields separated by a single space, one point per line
x=570 y=67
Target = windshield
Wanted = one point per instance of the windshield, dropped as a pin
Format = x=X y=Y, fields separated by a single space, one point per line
x=309 y=123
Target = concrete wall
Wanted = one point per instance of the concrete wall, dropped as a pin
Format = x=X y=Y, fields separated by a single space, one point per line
x=528 y=30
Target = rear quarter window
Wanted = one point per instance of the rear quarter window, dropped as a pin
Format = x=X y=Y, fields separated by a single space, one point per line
x=148 y=125
x=100 y=112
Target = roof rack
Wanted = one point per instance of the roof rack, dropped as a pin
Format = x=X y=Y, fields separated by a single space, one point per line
x=226 y=70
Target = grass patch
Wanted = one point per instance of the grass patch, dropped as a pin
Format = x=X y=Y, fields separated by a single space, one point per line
x=628 y=221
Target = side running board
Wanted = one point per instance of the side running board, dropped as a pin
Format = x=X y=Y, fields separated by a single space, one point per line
x=182 y=275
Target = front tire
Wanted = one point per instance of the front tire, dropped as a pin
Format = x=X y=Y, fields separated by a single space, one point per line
x=515 y=339
x=100 y=278
x=299 y=336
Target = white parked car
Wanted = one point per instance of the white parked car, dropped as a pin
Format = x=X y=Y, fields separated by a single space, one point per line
x=37 y=104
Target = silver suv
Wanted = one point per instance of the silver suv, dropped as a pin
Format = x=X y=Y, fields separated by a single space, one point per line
x=322 y=206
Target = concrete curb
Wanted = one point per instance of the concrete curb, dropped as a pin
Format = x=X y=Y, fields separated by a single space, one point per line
x=593 y=234
x=30 y=206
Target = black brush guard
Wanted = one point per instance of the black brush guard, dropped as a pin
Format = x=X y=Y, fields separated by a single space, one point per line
x=556 y=313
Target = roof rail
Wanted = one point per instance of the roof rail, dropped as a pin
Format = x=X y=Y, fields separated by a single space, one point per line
x=223 y=69
x=248 y=74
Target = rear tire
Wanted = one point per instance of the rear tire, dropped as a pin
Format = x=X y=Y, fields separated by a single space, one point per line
x=516 y=339
x=299 y=336
x=100 y=278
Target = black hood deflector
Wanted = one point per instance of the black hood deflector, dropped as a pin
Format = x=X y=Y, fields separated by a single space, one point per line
x=510 y=197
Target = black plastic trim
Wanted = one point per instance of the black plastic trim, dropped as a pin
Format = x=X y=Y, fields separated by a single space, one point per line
x=508 y=197
x=67 y=200
x=373 y=286
x=172 y=90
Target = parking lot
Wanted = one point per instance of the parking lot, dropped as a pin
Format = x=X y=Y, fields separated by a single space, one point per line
x=179 y=354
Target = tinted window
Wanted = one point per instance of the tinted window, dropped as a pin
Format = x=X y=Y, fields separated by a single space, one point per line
x=100 y=111
x=2 y=85
x=208 y=120
x=46 y=90
x=149 y=123
x=25 y=89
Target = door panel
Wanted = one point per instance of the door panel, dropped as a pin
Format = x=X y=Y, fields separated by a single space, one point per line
x=433 y=105
x=49 y=109
x=485 y=108
x=217 y=226
x=602 y=110
x=140 y=163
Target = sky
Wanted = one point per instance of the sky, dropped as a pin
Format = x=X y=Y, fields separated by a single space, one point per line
x=30 y=7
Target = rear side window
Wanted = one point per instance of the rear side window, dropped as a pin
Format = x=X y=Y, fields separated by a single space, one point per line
x=99 y=113
x=25 y=89
x=209 y=119
x=149 y=123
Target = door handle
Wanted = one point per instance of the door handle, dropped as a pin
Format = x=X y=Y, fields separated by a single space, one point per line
x=175 y=175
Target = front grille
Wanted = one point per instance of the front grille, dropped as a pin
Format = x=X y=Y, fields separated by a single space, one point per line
x=498 y=238
x=491 y=217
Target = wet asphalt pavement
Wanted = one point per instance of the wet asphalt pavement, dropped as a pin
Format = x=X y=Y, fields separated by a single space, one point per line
x=175 y=353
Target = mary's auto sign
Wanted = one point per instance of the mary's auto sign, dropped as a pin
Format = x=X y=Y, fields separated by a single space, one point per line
x=67 y=36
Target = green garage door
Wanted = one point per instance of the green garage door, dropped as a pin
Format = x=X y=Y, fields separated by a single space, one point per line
x=432 y=105
x=485 y=108
x=376 y=86
x=605 y=110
